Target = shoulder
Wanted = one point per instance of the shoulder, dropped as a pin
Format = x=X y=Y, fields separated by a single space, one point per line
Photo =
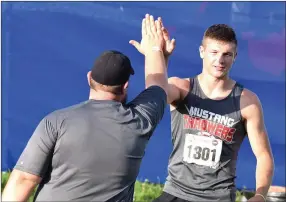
x=248 y=97
x=59 y=115
x=155 y=89
x=71 y=108
x=153 y=96
x=152 y=92
x=249 y=103
x=183 y=83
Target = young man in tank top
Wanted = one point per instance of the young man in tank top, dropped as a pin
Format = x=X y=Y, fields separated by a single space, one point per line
x=210 y=116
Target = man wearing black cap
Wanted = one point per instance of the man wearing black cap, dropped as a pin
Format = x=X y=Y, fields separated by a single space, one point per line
x=92 y=151
x=109 y=76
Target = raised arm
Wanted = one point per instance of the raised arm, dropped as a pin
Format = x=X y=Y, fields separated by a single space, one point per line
x=168 y=44
x=176 y=87
x=153 y=44
x=150 y=104
x=252 y=112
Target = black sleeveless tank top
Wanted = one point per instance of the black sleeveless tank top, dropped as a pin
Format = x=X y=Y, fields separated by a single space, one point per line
x=206 y=137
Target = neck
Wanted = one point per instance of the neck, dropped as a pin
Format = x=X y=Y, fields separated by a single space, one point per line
x=102 y=95
x=211 y=82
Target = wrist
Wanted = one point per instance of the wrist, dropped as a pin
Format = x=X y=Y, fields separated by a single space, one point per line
x=157 y=48
x=154 y=49
x=262 y=196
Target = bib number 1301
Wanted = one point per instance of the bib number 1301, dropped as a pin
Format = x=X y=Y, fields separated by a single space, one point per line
x=202 y=150
x=203 y=153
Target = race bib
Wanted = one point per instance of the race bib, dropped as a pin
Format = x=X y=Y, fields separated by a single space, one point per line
x=202 y=150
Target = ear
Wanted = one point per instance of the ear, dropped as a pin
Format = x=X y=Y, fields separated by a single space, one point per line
x=202 y=51
x=234 y=57
x=125 y=85
x=88 y=77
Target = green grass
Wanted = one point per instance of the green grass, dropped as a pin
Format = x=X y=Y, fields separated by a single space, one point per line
x=144 y=191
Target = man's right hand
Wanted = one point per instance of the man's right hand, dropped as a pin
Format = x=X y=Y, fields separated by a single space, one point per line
x=151 y=46
x=168 y=46
x=152 y=36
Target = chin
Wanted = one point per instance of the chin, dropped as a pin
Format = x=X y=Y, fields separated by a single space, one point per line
x=219 y=75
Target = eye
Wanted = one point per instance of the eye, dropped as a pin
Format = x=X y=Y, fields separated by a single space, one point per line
x=229 y=54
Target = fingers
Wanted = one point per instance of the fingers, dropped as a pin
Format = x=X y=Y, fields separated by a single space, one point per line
x=158 y=25
x=158 y=28
x=161 y=21
x=148 y=26
x=137 y=45
x=143 y=29
x=164 y=30
x=153 y=35
x=162 y=25
x=173 y=42
x=134 y=43
x=165 y=34
x=153 y=25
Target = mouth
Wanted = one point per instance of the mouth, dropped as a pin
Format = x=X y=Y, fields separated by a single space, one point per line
x=219 y=68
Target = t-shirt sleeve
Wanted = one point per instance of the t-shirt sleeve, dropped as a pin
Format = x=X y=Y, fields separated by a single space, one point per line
x=37 y=155
x=150 y=104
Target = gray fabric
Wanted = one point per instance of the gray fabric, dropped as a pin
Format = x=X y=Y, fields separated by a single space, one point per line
x=196 y=113
x=92 y=151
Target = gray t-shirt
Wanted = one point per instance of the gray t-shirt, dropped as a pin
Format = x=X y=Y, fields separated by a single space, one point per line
x=92 y=151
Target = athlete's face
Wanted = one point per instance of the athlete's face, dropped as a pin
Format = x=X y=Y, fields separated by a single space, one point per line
x=217 y=57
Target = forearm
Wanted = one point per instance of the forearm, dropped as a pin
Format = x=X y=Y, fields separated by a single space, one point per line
x=20 y=186
x=19 y=191
x=155 y=69
x=264 y=173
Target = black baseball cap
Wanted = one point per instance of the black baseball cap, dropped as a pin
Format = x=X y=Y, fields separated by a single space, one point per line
x=112 y=68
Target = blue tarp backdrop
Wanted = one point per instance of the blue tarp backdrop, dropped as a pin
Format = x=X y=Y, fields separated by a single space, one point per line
x=48 y=47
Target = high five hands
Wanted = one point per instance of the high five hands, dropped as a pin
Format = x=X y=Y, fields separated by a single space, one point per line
x=154 y=34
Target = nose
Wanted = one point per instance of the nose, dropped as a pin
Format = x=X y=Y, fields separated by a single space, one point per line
x=220 y=59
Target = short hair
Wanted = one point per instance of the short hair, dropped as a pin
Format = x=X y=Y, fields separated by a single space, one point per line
x=221 y=32
x=116 y=90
